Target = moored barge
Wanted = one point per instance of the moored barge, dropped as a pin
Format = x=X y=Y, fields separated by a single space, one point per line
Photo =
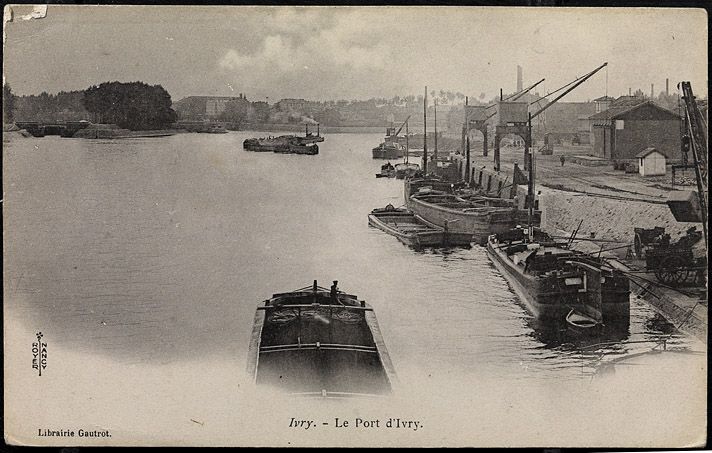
x=413 y=230
x=559 y=284
x=477 y=216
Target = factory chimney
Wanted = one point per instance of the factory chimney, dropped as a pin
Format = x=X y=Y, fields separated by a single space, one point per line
x=667 y=87
x=652 y=92
x=630 y=92
x=520 y=82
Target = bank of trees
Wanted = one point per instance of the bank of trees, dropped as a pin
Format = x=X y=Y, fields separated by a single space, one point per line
x=8 y=104
x=63 y=106
x=133 y=105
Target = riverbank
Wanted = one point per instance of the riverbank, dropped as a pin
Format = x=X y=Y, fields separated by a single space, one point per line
x=287 y=127
x=110 y=131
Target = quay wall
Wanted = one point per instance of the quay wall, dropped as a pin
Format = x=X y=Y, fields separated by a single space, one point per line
x=607 y=218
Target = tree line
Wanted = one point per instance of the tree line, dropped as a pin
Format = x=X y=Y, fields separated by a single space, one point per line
x=132 y=105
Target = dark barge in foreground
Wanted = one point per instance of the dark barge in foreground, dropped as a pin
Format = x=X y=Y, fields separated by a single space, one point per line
x=319 y=342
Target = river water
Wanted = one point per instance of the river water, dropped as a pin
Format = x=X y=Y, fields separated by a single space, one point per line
x=152 y=254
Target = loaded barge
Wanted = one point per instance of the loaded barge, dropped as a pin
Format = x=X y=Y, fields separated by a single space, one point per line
x=478 y=216
x=559 y=284
x=286 y=144
x=319 y=342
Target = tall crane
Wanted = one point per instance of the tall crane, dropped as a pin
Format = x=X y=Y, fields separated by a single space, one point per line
x=697 y=135
x=401 y=126
x=530 y=191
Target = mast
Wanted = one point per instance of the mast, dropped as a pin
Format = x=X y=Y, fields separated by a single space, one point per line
x=406 y=141
x=530 y=187
x=425 y=132
x=467 y=143
x=435 y=153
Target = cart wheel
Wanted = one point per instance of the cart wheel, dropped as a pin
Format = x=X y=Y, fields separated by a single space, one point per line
x=672 y=271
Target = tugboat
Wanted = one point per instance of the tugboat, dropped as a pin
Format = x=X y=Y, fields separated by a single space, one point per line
x=391 y=147
x=388 y=150
x=319 y=342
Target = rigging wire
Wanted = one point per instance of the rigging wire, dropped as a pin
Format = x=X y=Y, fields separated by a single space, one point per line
x=558 y=89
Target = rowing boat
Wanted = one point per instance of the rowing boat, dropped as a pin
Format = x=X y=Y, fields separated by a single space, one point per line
x=413 y=230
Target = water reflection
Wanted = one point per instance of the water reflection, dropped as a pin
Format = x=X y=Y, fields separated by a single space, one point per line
x=555 y=334
x=140 y=248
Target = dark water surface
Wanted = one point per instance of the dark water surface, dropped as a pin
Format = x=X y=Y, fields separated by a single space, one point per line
x=158 y=250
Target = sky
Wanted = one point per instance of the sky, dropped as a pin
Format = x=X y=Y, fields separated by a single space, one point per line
x=323 y=53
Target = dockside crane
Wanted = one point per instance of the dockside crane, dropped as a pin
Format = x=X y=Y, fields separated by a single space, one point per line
x=696 y=133
x=528 y=148
x=480 y=124
x=401 y=126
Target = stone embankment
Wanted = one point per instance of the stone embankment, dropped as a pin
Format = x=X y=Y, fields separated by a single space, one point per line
x=107 y=131
x=606 y=218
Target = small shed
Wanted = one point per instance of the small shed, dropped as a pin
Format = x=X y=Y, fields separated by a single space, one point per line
x=651 y=162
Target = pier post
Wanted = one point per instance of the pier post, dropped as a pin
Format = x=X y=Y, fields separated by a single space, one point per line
x=425 y=132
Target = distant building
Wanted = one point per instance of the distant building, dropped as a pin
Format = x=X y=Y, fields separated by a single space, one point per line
x=633 y=124
x=205 y=107
x=566 y=117
x=295 y=105
x=603 y=103
x=651 y=162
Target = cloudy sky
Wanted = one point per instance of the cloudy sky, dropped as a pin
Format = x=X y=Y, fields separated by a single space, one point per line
x=354 y=53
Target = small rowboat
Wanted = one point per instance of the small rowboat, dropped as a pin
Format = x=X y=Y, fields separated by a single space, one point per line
x=413 y=230
x=406 y=170
x=319 y=342
x=387 y=171
x=583 y=323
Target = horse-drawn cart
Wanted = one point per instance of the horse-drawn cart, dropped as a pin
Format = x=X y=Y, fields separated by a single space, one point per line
x=678 y=263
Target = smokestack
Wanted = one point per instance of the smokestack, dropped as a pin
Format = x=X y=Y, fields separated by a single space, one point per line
x=667 y=87
x=520 y=82
x=630 y=92
x=652 y=91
